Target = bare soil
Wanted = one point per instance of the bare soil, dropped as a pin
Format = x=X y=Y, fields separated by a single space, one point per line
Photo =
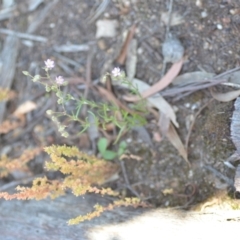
x=209 y=33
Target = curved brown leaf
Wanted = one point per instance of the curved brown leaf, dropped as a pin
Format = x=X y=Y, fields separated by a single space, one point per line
x=161 y=84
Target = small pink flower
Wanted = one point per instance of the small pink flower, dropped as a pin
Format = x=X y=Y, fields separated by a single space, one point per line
x=59 y=80
x=116 y=72
x=49 y=64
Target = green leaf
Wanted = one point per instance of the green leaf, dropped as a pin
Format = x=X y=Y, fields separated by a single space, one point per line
x=102 y=145
x=109 y=155
x=36 y=78
x=120 y=152
x=122 y=148
x=123 y=145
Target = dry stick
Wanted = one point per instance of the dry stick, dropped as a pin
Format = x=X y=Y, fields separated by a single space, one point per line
x=219 y=175
x=41 y=16
x=111 y=97
x=122 y=56
x=236 y=85
x=23 y=35
x=21 y=181
x=195 y=87
x=88 y=80
x=193 y=122
x=127 y=180
x=227 y=72
x=169 y=18
x=217 y=82
x=167 y=32
x=101 y=8
x=191 y=88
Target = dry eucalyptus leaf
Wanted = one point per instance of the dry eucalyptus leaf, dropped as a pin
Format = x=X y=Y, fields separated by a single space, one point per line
x=165 y=81
x=175 y=140
x=225 y=97
x=157 y=101
x=192 y=77
x=25 y=108
x=163 y=124
x=106 y=28
x=160 y=85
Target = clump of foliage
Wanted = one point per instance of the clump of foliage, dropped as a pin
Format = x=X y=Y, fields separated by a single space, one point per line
x=109 y=154
x=102 y=112
x=83 y=174
x=8 y=165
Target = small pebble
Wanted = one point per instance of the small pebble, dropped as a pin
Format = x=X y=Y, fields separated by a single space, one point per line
x=204 y=14
x=234 y=11
x=187 y=105
x=219 y=27
x=52 y=25
x=199 y=3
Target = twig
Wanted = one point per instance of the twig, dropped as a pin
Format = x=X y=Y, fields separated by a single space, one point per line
x=69 y=71
x=67 y=60
x=41 y=16
x=169 y=19
x=88 y=80
x=193 y=122
x=219 y=175
x=101 y=8
x=127 y=180
x=122 y=56
x=191 y=88
x=227 y=72
x=23 y=35
x=218 y=81
x=16 y=183
x=167 y=33
x=71 y=48
x=230 y=84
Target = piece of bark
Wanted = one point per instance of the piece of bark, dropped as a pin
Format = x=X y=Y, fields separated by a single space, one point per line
x=235 y=136
x=47 y=220
x=8 y=59
x=237 y=179
x=235 y=125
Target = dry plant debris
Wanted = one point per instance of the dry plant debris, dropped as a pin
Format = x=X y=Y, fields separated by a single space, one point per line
x=209 y=51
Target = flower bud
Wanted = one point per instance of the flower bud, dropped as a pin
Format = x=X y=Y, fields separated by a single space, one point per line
x=65 y=134
x=36 y=78
x=49 y=112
